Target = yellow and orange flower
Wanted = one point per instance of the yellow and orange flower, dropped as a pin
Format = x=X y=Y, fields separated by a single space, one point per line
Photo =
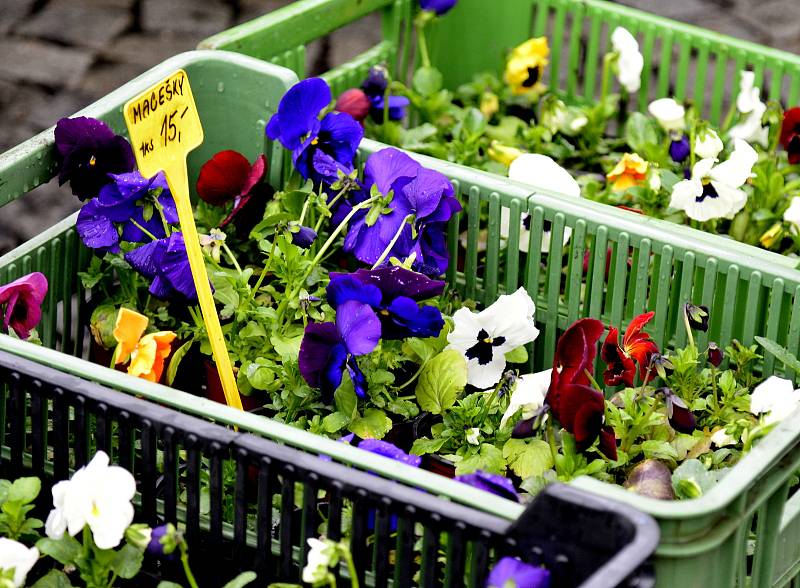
x=147 y=353
x=525 y=66
x=630 y=171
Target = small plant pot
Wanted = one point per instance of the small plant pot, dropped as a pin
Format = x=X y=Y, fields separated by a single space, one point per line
x=215 y=392
x=404 y=433
x=438 y=465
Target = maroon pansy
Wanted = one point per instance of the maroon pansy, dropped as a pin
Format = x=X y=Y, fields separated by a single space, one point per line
x=229 y=177
x=790 y=134
x=637 y=347
x=21 y=303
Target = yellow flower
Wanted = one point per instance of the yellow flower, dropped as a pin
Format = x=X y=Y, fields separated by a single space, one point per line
x=630 y=171
x=147 y=353
x=502 y=153
x=772 y=236
x=489 y=104
x=525 y=66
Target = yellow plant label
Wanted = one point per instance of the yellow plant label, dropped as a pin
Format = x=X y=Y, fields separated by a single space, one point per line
x=164 y=127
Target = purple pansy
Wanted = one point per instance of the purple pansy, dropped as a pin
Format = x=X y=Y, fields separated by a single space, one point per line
x=87 y=151
x=389 y=450
x=123 y=201
x=494 y=483
x=510 y=572
x=679 y=149
x=21 y=304
x=302 y=236
x=426 y=196
x=376 y=82
x=438 y=6
x=397 y=108
x=320 y=148
x=392 y=293
x=328 y=349
x=166 y=263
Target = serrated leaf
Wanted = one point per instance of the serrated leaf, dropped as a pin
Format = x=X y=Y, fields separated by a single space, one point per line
x=335 y=421
x=488 y=458
x=374 y=424
x=441 y=381
x=526 y=458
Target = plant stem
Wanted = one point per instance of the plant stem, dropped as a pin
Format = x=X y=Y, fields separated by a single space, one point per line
x=412 y=378
x=142 y=229
x=393 y=241
x=164 y=222
x=186 y=569
x=490 y=401
x=551 y=441
x=230 y=255
x=264 y=271
x=351 y=567
x=688 y=326
x=303 y=212
x=605 y=80
x=422 y=45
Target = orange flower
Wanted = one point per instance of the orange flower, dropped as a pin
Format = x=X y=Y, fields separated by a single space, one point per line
x=147 y=353
x=630 y=171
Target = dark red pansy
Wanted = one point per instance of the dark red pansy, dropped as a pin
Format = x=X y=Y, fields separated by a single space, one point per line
x=636 y=347
x=715 y=354
x=228 y=176
x=680 y=417
x=575 y=353
x=581 y=413
x=790 y=134
x=620 y=368
x=608 y=443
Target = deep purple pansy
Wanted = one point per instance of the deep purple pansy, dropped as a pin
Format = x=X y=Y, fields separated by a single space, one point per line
x=438 y=6
x=328 y=349
x=679 y=149
x=494 y=483
x=396 y=110
x=392 y=293
x=376 y=82
x=320 y=148
x=510 y=572
x=21 y=303
x=88 y=150
x=302 y=236
x=389 y=450
x=166 y=263
x=678 y=413
x=123 y=201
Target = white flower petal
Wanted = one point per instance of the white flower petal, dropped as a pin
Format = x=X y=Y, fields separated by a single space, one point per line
x=738 y=168
x=486 y=375
x=792 y=214
x=630 y=62
x=708 y=145
x=669 y=113
x=751 y=129
x=749 y=96
x=14 y=555
x=731 y=200
x=529 y=393
x=769 y=394
x=684 y=193
x=720 y=438
x=511 y=316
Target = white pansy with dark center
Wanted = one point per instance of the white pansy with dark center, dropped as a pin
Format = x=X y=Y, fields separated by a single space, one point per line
x=775 y=398
x=16 y=556
x=749 y=104
x=714 y=191
x=707 y=144
x=529 y=392
x=630 y=61
x=538 y=171
x=484 y=338
x=669 y=113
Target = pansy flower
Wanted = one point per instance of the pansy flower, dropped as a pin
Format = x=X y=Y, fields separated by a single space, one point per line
x=525 y=66
x=670 y=114
x=790 y=134
x=300 y=235
x=328 y=349
x=354 y=102
x=393 y=294
x=637 y=347
x=539 y=171
x=383 y=448
x=229 y=177
x=373 y=91
x=320 y=148
x=494 y=483
x=752 y=109
x=707 y=144
x=130 y=201
x=680 y=149
x=630 y=61
x=440 y=7
x=87 y=151
x=21 y=303
x=630 y=171
x=484 y=338
x=776 y=398
x=714 y=191
x=146 y=353
x=166 y=263
x=510 y=572
x=572 y=400
x=528 y=395
x=680 y=417
x=697 y=316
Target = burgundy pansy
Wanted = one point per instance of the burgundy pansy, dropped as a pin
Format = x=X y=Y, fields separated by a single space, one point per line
x=572 y=400
x=637 y=347
x=21 y=304
x=680 y=417
x=790 y=134
x=229 y=177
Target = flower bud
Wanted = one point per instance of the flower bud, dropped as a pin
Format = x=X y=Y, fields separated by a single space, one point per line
x=302 y=236
x=680 y=417
x=651 y=478
x=698 y=316
x=679 y=149
x=164 y=540
x=139 y=535
x=715 y=355
x=503 y=154
x=355 y=103
x=377 y=81
x=102 y=323
x=489 y=104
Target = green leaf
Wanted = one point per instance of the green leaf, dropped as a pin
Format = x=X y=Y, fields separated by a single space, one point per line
x=55 y=579
x=691 y=479
x=441 y=381
x=640 y=132
x=260 y=376
x=127 y=562
x=373 y=425
x=528 y=458
x=287 y=347
x=64 y=550
x=424 y=445
x=166 y=584
x=518 y=355
x=404 y=408
x=346 y=401
x=427 y=81
x=175 y=361
x=489 y=459
x=24 y=490
x=242 y=579
x=654 y=449
x=781 y=353
x=335 y=422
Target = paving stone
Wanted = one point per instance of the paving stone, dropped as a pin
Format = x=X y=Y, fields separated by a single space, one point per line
x=13 y=12
x=105 y=77
x=250 y=9
x=88 y=23
x=42 y=63
x=781 y=18
x=677 y=9
x=193 y=19
x=145 y=49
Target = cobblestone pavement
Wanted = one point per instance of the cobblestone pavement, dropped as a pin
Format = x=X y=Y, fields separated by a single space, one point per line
x=57 y=56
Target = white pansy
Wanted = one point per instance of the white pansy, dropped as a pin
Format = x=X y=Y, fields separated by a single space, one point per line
x=554 y=115
x=630 y=62
x=707 y=144
x=529 y=392
x=484 y=338
x=14 y=555
x=776 y=398
x=538 y=171
x=98 y=495
x=320 y=556
x=474 y=436
x=720 y=438
x=669 y=113
x=749 y=104
x=578 y=123
x=714 y=191
x=792 y=214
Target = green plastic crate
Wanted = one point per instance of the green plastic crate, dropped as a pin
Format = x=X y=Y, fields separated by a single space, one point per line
x=704 y=541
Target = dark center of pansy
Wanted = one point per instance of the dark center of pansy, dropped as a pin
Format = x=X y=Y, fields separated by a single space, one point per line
x=533 y=77
x=708 y=192
x=483 y=349
x=526 y=222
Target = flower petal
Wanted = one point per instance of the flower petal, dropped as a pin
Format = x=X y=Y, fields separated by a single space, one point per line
x=358 y=326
